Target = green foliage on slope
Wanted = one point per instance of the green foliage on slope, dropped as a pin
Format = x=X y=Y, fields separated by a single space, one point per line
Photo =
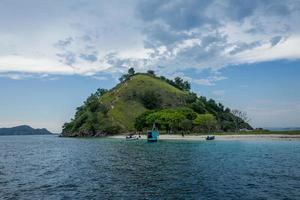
x=122 y=108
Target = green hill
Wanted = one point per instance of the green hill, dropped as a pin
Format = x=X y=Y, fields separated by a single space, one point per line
x=23 y=130
x=116 y=111
x=125 y=103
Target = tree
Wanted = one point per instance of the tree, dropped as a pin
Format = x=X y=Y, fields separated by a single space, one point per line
x=141 y=122
x=178 y=81
x=101 y=91
x=227 y=110
x=163 y=78
x=186 y=125
x=187 y=112
x=175 y=120
x=121 y=79
x=131 y=71
x=191 y=98
x=213 y=105
x=239 y=117
x=198 y=107
x=186 y=86
x=221 y=106
x=182 y=85
x=205 y=122
x=151 y=72
x=151 y=100
x=168 y=119
x=203 y=99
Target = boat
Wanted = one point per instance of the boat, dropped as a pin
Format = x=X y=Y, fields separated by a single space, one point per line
x=152 y=136
x=132 y=137
x=210 y=137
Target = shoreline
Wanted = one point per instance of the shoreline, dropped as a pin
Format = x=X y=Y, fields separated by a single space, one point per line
x=220 y=137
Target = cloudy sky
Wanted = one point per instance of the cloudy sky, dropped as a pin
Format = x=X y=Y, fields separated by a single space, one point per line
x=243 y=53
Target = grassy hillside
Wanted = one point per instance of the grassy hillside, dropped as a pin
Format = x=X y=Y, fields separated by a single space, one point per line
x=124 y=103
x=170 y=104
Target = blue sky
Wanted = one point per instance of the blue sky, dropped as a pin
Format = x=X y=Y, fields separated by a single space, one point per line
x=243 y=53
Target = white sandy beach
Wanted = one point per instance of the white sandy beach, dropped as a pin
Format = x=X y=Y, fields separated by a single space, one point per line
x=220 y=137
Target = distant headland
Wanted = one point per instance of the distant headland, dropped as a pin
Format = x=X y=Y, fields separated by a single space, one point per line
x=24 y=130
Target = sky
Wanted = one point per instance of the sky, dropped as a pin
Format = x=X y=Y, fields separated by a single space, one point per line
x=243 y=53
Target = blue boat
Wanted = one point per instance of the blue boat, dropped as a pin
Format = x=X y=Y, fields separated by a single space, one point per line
x=152 y=136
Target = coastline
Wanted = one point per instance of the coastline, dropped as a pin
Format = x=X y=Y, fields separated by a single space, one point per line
x=221 y=137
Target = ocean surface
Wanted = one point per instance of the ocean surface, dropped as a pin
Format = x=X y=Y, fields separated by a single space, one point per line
x=49 y=167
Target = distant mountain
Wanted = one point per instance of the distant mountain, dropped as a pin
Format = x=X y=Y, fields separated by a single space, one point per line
x=282 y=128
x=23 y=130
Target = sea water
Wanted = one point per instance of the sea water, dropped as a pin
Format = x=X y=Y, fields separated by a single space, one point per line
x=50 y=167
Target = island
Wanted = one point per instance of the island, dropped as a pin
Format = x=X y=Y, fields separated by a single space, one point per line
x=23 y=130
x=143 y=99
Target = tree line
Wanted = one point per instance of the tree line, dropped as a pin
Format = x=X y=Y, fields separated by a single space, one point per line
x=177 y=82
x=177 y=119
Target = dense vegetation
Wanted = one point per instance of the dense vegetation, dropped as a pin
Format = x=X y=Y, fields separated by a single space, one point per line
x=91 y=118
x=142 y=99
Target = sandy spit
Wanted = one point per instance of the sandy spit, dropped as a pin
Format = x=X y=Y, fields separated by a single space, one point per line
x=220 y=137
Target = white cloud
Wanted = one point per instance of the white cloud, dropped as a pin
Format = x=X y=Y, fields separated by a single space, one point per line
x=288 y=49
x=210 y=81
x=16 y=76
x=64 y=37
x=16 y=63
x=76 y=37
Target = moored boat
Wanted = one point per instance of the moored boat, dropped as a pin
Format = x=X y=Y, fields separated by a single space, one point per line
x=132 y=137
x=152 y=136
x=210 y=137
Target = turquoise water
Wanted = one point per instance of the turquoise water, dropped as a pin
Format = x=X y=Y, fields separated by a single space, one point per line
x=49 y=167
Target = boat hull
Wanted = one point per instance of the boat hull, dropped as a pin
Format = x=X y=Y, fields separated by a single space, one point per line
x=210 y=137
x=152 y=136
